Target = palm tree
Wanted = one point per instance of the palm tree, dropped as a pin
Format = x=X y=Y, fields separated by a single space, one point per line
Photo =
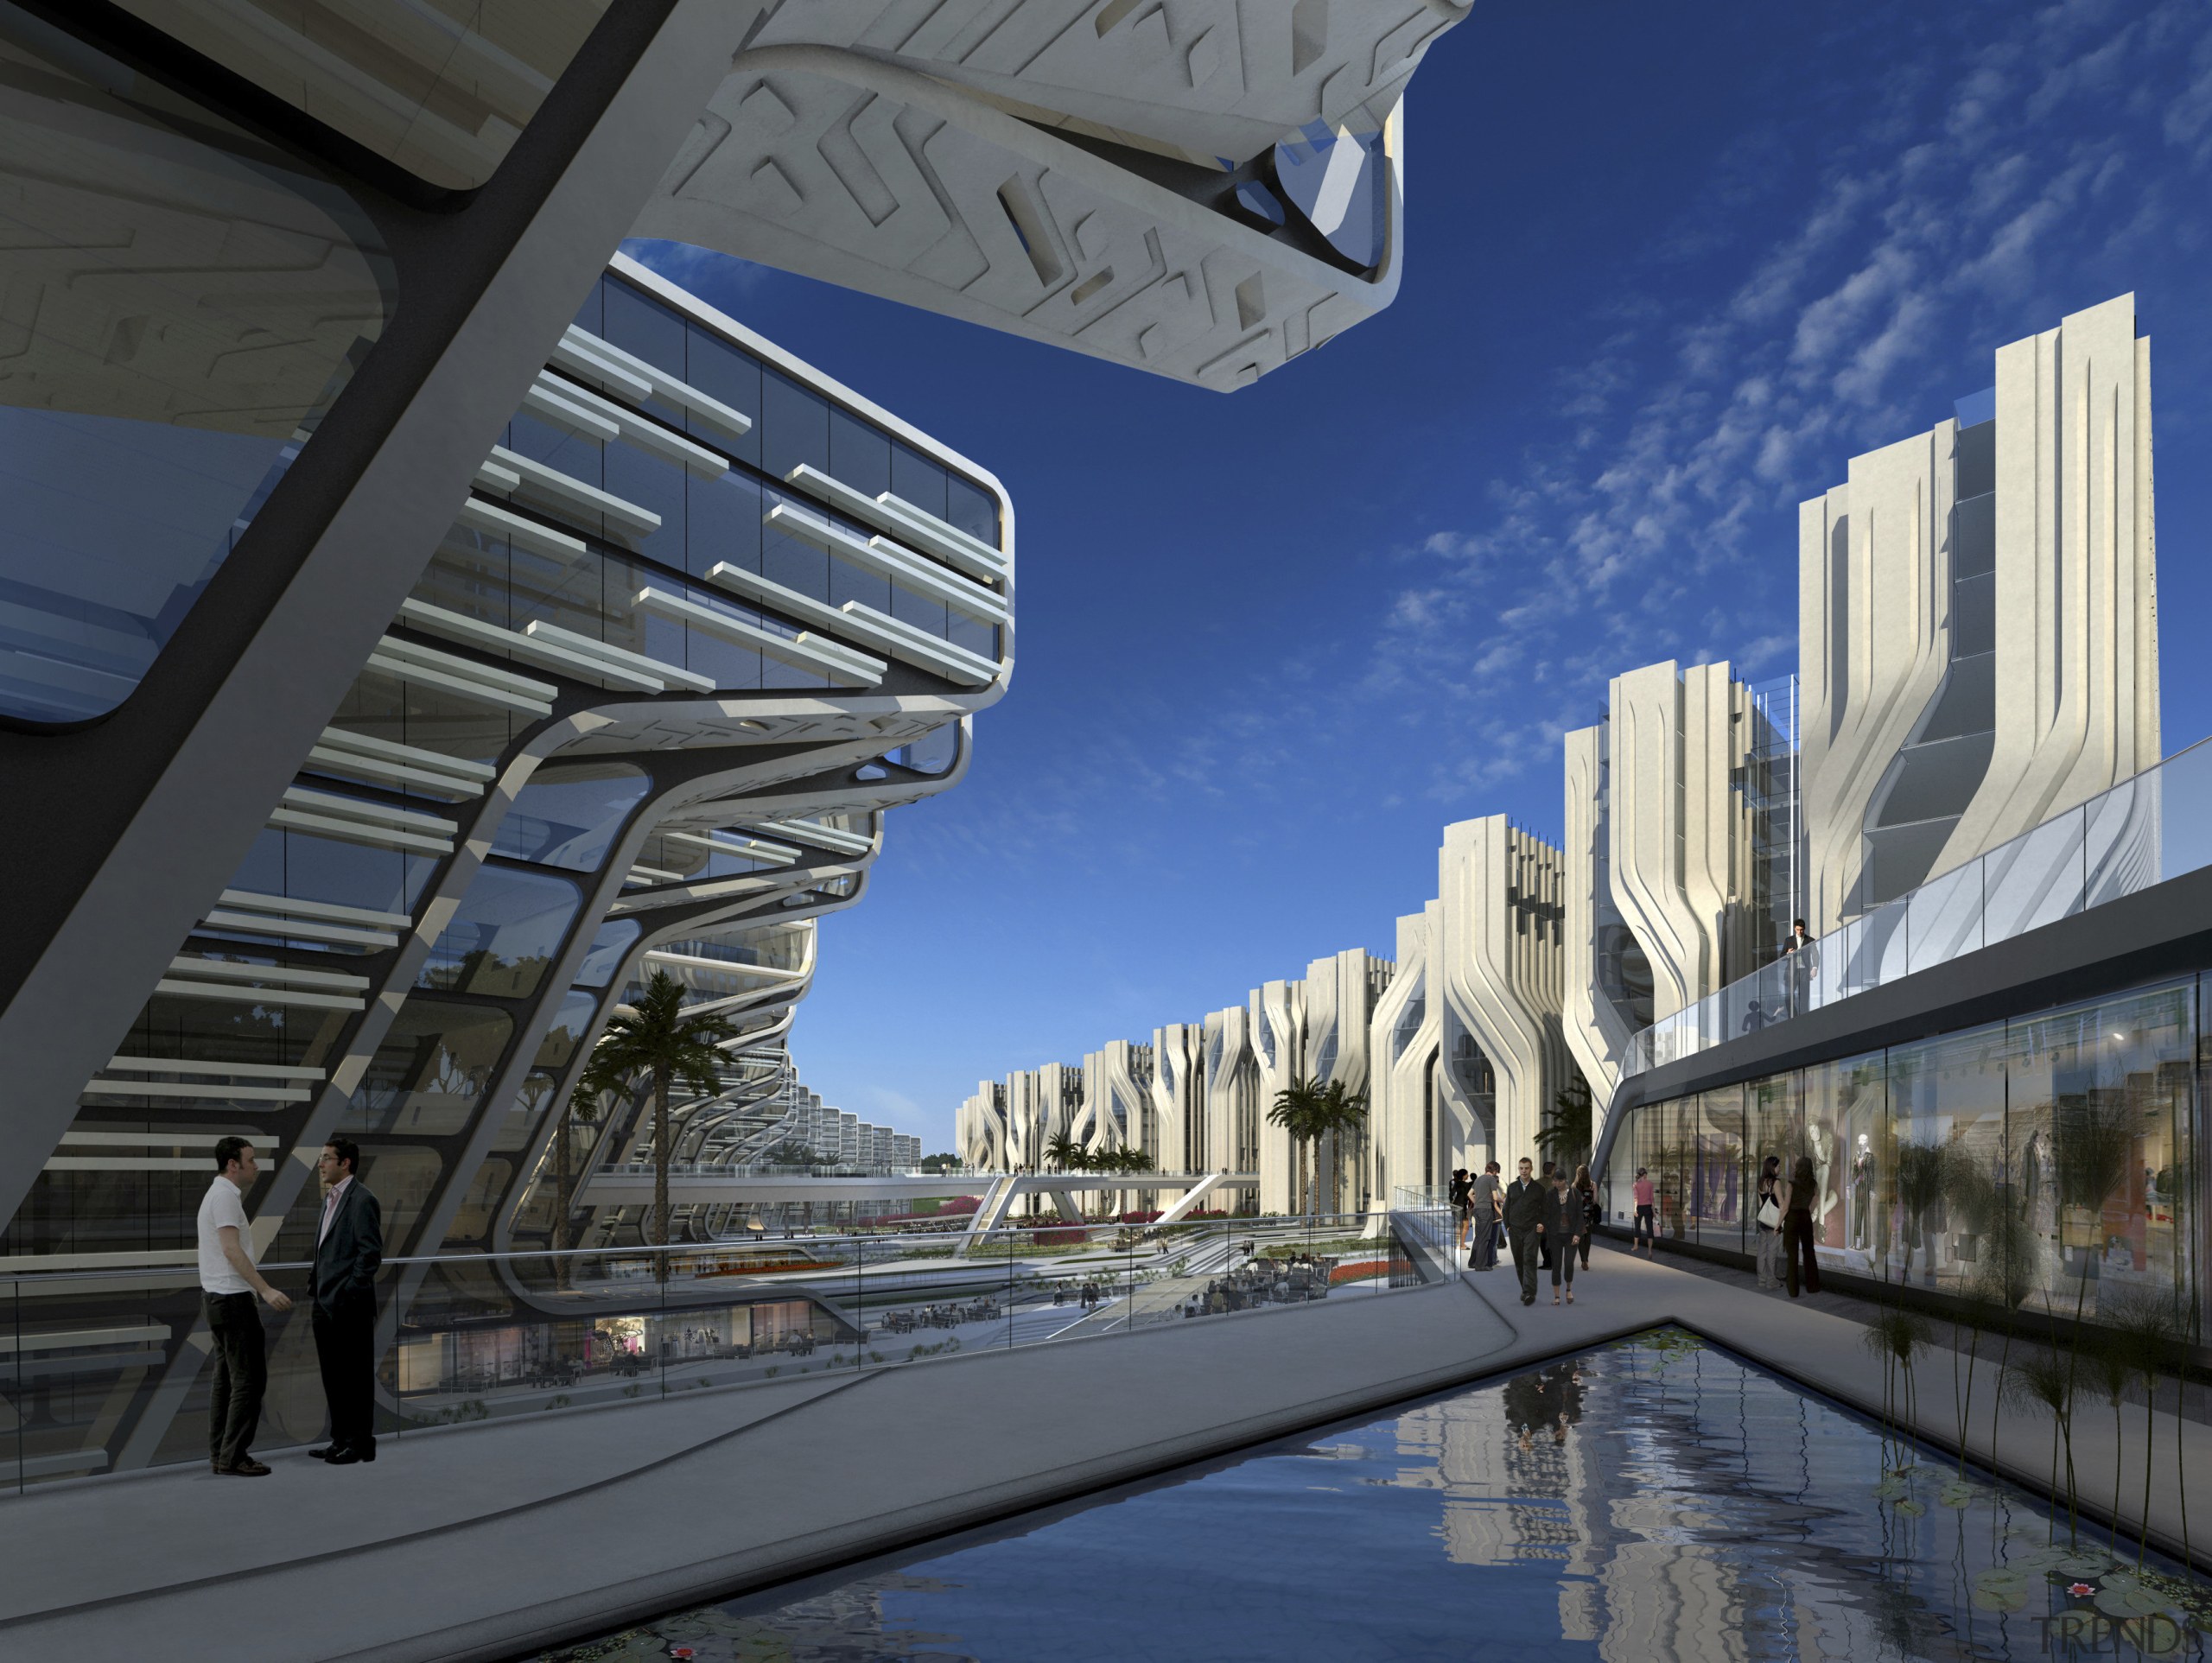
x=583 y=1109
x=1564 y=1138
x=1299 y=1110
x=1343 y=1114
x=1064 y=1152
x=654 y=1041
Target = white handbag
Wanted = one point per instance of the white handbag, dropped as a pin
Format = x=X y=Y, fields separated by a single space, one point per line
x=1770 y=1214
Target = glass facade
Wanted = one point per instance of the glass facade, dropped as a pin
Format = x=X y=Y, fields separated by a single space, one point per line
x=289 y=1015
x=698 y=550
x=2044 y=1161
x=184 y=303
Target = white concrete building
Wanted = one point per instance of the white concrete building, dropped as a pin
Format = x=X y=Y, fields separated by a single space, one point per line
x=1498 y=963
x=1978 y=618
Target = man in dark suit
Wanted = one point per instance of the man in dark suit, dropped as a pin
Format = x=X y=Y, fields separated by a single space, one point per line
x=1524 y=1225
x=348 y=1248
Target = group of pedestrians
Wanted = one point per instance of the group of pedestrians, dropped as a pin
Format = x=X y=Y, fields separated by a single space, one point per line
x=1547 y=1221
x=1781 y=1211
x=348 y=1249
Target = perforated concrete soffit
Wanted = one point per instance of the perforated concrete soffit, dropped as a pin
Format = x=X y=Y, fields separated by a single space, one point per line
x=1200 y=189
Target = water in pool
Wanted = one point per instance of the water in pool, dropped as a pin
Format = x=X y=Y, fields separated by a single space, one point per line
x=1652 y=1499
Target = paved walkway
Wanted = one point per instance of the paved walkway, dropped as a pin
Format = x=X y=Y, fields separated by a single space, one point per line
x=488 y=1542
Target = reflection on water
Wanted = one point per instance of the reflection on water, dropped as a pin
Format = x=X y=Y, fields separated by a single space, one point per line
x=1654 y=1499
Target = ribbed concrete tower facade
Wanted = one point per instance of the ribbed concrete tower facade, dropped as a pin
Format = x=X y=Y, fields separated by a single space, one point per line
x=1605 y=977
x=1178 y=1098
x=1402 y=1051
x=1979 y=619
x=1232 y=1092
x=1279 y=1056
x=1499 y=968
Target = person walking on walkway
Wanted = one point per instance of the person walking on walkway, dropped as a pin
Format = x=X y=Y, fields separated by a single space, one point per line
x=348 y=1248
x=1587 y=1187
x=228 y=1285
x=1647 y=1212
x=1524 y=1226
x=1457 y=1195
x=1566 y=1221
x=1769 y=1208
x=1482 y=1195
x=1544 y=1242
x=1797 y=1226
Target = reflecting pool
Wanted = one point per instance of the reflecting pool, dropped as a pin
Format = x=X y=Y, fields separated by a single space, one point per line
x=1651 y=1499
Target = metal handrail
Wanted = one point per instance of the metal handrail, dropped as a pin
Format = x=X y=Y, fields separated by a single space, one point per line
x=736 y=1245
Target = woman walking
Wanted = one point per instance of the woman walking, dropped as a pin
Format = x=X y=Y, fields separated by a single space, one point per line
x=1566 y=1220
x=1797 y=1226
x=1767 y=1209
x=1587 y=1187
x=1646 y=1211
x=1458 y=1196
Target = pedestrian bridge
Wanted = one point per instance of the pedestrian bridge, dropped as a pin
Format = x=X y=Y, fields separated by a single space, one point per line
x=632 y=1186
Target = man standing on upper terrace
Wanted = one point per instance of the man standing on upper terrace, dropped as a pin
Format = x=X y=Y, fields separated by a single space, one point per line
x=228 y=1284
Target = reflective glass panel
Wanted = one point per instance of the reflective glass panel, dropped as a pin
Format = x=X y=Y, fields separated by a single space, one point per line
x=608 y=948
x=427 y=1074
x=509 y=929
x=182 y=305
x=569 y=814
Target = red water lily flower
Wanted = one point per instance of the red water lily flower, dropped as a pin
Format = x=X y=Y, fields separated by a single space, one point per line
x=2079 y=1589
x=681 y=1651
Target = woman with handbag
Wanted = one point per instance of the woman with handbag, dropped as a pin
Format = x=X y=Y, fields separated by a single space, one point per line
x=1770 y=1198
x=1587 y=1187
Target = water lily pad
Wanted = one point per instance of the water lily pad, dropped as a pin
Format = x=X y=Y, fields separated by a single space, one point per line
x=1892 y=1489
x=2084 y=1562
x=2121 y=1601
x=2154 y=1634
x=2002 y=1589
x=1957 y=1494
x=1912 y=1509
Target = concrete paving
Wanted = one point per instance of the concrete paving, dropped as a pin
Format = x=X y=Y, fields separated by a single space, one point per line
x=488 y=1542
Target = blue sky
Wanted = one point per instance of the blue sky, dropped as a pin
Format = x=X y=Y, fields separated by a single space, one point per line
x=1668 y=267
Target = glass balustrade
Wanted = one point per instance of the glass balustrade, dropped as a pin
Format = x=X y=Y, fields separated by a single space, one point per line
x=101 y=1369
x=2142 y=832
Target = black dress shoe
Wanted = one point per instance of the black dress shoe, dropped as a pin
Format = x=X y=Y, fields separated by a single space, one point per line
x=366 y=1451
x=343 y=1457
x=248 y=1468
x=324 y=1453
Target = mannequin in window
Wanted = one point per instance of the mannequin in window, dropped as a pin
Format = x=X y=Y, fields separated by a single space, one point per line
x=1862 y=1194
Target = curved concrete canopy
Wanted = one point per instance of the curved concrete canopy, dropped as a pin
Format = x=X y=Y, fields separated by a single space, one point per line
x=1099 y=174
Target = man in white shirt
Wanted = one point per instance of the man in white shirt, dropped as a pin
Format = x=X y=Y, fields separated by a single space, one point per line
x=228 y=1283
